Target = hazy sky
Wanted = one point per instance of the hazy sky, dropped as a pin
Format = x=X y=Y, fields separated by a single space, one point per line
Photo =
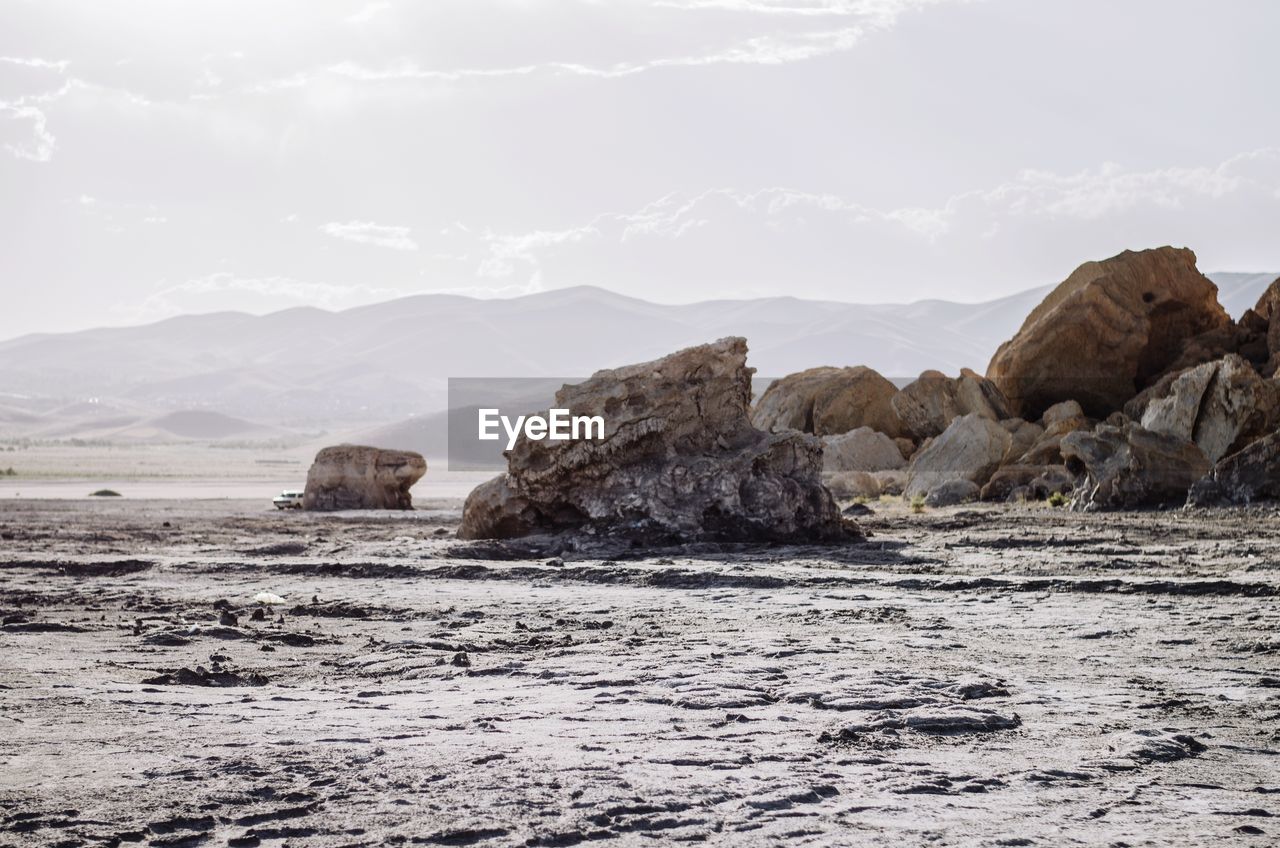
x=164 y=157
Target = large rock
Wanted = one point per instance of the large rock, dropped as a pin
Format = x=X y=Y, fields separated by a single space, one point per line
x=1129 y=467
x=1046 y=450
x=1218 y=405
x=928 y=405
x=1252 y=474
x=1023 y=436
x=971 y=448
x=862 y=449
x=358 y=477
x=679 y=461
x=1034 y=481
x=852 y=484
x=1107 y=331
x=952 y=492
x=829 y=401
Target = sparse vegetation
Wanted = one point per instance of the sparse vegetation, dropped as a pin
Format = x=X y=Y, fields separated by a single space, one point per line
x=105 y=493
x=917 y=504
x=1057 y=499
x=862 y=500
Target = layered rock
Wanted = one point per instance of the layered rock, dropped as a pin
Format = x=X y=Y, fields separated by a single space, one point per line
x=1252 y=474
x=359 y=477
x=679 y=461
x=928 y=405
x=971 y=448
x=1129 y=467
x=829 y=401
x=1218 y=405
x=862 y=449
x=1107 y=331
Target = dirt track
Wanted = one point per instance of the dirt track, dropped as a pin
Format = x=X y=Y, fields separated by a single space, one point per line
x=996 y=677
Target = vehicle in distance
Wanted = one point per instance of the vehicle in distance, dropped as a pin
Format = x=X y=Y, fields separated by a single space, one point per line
x=288 y=500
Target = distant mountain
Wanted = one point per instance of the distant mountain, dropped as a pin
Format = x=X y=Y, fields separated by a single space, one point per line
x=356 y=370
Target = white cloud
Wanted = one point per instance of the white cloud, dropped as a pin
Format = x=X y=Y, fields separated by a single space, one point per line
x=367 y=12
x=367 y=232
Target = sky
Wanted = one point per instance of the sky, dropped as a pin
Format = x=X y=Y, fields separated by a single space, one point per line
x=159 y=158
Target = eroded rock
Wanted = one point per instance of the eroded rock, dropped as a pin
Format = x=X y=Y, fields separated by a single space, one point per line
x=862 y=449
x=927 y=406
x=679 y=461
x=1129 y=467
x=829 y=401
x=359 y=477
x=971 y=448
x=1106 y=332
x=1252 y=474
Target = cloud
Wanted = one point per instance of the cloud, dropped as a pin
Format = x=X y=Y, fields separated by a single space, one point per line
x=367 y=232
x=367 y=12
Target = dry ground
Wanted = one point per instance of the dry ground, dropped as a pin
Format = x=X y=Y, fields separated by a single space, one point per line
x=965 y=677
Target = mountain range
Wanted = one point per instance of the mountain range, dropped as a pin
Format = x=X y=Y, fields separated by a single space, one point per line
x=375 y=371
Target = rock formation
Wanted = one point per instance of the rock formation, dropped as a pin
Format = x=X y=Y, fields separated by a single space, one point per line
x=358 y=477
x=1129 y=467
x=1218 y=405
x=679 y=461
x=1250 y=475
x=1106 y=332
x=971 y=448
x=927 y=406
x=829 y=401
x=952 y=492
x=862 y=449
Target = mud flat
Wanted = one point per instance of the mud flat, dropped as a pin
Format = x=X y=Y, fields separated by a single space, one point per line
x=1003 y=676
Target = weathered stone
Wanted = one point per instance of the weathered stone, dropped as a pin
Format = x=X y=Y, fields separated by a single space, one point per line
x=1129 y=467
x=1107 y=331
x=829 y=401
x=929 y=404
x=853 y=484
x=862 y=449
x=1054 y=480
x=1008 y=478
x=1218 y=405
x=971 y=448
x=1023 y=436
x=1252 y=474
x=952 y=492
x=679 y=461
x=1046 y=450
x=358 y=477
x=1063 y=411
x=906 y=446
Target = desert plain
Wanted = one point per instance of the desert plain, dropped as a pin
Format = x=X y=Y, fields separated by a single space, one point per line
x=186 y=671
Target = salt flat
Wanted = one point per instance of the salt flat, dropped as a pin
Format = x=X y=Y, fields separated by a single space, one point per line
x=991 y=676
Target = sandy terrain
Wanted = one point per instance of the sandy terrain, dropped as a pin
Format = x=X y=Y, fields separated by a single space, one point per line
x=965 y=677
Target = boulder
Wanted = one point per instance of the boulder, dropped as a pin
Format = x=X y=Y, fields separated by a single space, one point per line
x=1023 y=436
x=358 y=477
x=1036 y=482
x=1046 y=450
x=1218 y=405
x=929 y=404
x=1064 y=411
x=971 y=448
x=1129 y=467
x=862 y=449
x=951 y=493
x=1106 y=332
x=678 y=461
x=829 y=401
x=1252 y=474
x=853 y=484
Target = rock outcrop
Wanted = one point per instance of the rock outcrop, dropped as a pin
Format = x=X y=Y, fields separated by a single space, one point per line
x=928 y=405
x=1221 y=406
x=853 y=484
x=679 y=461
x=359 y=477
x=952 y=492
x=971 y=448
x=1108 y=331
x=1252 y=474
x=862 y=449
x=829 y=401
x=1129 y=467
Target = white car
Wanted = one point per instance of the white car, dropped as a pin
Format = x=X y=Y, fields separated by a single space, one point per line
x=288 y=500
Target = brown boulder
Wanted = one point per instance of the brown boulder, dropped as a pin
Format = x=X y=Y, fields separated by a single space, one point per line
x=1107 y=331
x=1252 y=474
x=1129 y=467
x=358 y=477
x=679 y=461
x=829 y=401
x=928 y=405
